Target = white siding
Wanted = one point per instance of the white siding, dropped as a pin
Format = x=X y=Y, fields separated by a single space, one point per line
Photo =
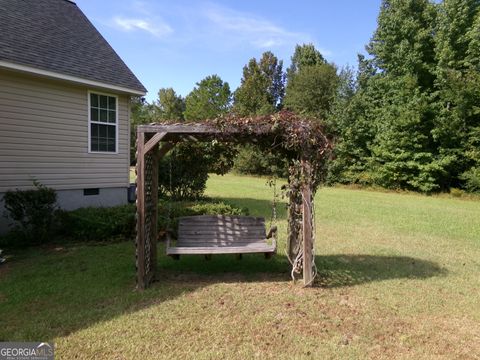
x=44 y=136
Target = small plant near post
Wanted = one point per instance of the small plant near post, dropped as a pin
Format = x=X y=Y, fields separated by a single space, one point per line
x=33 y=212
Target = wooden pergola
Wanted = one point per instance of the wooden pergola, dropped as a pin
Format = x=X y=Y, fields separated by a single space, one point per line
x=153 y=142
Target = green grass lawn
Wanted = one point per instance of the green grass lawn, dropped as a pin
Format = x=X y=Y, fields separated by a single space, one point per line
x=399 y=277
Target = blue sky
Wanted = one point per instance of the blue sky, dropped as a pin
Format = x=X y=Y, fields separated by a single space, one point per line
x=178 y=43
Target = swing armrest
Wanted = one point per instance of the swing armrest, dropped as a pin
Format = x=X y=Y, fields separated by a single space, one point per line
x=168 y=235
x=273 y=232
x=273 y=235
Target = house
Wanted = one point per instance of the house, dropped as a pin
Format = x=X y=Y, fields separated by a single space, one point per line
x=64 y=105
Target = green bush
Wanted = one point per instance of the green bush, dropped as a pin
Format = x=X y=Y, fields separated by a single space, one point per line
x=472 y=180
x=118 y=223
x=253 y=161
x=114 y=223
x=99 y=224
x=457 y=192
x=168 y=213
x=33 y=213
x=183 y=173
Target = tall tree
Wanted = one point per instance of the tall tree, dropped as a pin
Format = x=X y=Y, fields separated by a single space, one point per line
x=304 y=55
x=142 y=113
x=312 y=83
x=350 y=120
x=414 y=120
x=311 y=91
x=209 y=99
x=262 y=86
x=403 y=151
x=170 y=105
x=457 y=98
x=403 y=43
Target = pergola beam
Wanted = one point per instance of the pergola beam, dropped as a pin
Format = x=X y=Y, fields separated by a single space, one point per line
x=179 y=129
x=153 y=141
x=165 y=149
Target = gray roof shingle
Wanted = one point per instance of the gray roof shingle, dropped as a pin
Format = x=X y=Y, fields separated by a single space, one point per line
x=55 y=35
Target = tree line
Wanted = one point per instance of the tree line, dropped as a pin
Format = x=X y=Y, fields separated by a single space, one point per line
x=407 y=118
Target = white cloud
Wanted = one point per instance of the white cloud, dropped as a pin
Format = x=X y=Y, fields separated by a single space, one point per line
x=324 y=52
x=156 y=28
x=253 y=29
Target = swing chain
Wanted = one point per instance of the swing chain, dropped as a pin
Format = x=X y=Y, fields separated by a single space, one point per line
x=170 y=189
x=273 y=219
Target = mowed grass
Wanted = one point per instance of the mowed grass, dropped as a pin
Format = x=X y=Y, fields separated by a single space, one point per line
x=399 y=277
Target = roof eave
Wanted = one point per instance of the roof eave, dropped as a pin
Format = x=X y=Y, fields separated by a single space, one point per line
x=70 y=78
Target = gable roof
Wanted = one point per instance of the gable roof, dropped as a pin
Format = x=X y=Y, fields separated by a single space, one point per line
x=55 y=37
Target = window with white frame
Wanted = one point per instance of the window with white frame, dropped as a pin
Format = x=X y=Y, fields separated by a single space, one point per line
x=103 y=123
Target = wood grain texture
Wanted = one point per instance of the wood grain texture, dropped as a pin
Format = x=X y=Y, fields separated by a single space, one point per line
x=221 y=234
x=307 y=237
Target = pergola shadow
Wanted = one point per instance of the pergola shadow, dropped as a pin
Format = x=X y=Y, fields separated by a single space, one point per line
x=100 y=289
x=333 y=270
x=348 y=270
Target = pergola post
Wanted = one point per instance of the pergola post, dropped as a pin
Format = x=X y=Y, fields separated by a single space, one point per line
x=140 y=202
x=154 y=214
x=147 y=207
x=307 y=225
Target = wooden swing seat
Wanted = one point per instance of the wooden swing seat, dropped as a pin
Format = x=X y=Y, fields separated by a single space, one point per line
x=222 y=234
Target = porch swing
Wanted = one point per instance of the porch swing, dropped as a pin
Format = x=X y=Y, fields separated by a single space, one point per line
x=223 y=234
x=300 y=140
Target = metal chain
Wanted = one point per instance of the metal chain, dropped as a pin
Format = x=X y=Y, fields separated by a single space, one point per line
x=273 y=219
x=314 y=231
x=170 y=189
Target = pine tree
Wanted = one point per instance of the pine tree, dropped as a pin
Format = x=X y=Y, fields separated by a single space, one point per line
x=262 y=87
x=457 y=96
x=304 y=55
x=403 y=153
x=312 y=83
x=261 y=92
x=209 y=99
x=170 y=105
x=403 y=43
x=350 y=122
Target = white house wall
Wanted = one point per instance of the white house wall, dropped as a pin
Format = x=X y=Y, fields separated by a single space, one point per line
x=44 y=137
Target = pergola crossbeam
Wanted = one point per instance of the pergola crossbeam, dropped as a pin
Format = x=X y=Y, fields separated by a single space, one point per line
x=153 y=141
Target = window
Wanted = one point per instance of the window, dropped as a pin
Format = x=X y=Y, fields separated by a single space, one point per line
x=103 y=123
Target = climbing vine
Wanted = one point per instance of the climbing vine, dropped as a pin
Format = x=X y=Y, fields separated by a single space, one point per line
x=300 y=141
x=304 y=144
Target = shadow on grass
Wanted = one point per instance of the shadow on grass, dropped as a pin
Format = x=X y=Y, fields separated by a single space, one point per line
x=347 y=270
x=47 y=293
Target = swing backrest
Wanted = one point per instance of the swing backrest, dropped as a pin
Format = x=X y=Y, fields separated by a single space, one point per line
x=221 y=231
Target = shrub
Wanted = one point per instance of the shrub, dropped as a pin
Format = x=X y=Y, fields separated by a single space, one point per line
x=472 y=180
x=168 y=213
x=118 y=223
x=252 y=161
x=183 y=173
x=99 y=224
x=457 y=192
x=33 y=212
